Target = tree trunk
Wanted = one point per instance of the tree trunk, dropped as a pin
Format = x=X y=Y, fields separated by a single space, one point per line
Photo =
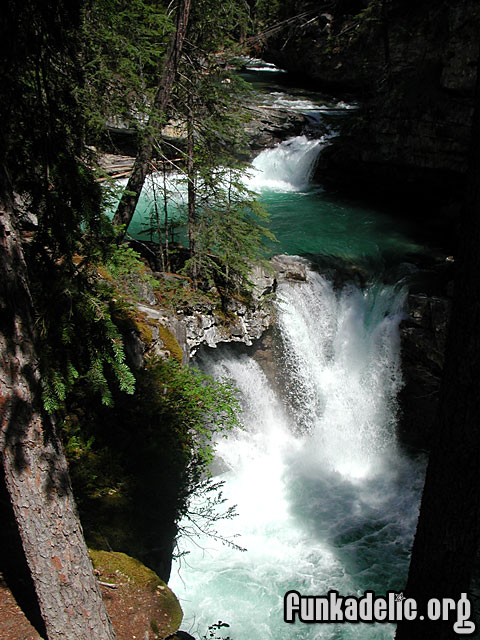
x=449 y=523
x=129 y=200
x=35 y=469
x=165 y=219
x=192 y=231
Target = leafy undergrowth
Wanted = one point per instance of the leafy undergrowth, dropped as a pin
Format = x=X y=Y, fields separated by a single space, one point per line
x=130 y=276
x=176 y=292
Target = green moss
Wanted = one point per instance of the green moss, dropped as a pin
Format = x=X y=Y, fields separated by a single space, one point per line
x=129 y=318
x=118 y=564
x=171 y=343
x=143 y=327
x=176 y=294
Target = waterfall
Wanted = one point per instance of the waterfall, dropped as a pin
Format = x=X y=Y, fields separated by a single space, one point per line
x=286 y=167
x=325 y=499
x=330 y=340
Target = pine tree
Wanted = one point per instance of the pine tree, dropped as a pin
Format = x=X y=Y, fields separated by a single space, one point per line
x=128 y=202
x=51 y=232
x=225 y=223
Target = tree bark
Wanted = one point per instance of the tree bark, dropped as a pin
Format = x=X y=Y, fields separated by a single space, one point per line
x=191 y=191
x=129 y=200
x=448 y=528
x=35 y=469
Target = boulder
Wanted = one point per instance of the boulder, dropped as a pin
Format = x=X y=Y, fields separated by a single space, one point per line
x=271 y=125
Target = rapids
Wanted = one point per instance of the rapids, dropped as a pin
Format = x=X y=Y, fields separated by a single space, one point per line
x=325 y=497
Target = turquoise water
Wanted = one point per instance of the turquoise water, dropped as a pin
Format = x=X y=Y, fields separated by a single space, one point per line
x=305 y=219
x=326 y=498
x=309 y=221
x=316 y=223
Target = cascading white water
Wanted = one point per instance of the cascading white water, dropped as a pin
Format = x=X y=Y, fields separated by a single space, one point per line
x=355 y=338
x=286 y=167
x=325 y=500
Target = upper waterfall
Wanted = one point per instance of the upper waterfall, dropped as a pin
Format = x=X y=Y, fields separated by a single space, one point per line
x=286 y=167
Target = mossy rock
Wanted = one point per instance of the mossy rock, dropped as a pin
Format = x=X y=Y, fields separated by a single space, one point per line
x=116 y=567
x=145 y=331
x=170 y=343
x=120 y=563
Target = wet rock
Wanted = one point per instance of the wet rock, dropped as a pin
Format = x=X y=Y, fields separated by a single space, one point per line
x=271 y=125
x=290 y=268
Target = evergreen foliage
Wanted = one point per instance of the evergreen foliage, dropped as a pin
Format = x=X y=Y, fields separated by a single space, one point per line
x=135 y=466
x=138 y=445
x=226 y=225
x=228 y=18
x=56 y=191
x=229 y=231
x=123 y=44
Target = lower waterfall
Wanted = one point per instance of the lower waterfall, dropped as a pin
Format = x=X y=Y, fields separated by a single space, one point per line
x=325 y=497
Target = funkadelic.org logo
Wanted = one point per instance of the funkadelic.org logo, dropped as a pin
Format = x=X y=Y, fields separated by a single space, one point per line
x=393 y=607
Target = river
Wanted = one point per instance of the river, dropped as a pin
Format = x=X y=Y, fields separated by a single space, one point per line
x=325 y=496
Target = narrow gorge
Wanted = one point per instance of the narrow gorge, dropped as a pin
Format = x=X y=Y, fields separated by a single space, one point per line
x=240 y=310
x=327 y=470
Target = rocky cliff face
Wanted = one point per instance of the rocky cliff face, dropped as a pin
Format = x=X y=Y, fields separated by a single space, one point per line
x=413 y=67
x=240 y=321
x=163 y=332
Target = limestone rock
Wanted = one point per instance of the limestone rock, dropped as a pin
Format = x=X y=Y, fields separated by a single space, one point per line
x=242 y=320
x=180 y=334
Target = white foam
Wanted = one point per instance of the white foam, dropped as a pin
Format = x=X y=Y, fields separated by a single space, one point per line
x=286 y=167
x=325 y=500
